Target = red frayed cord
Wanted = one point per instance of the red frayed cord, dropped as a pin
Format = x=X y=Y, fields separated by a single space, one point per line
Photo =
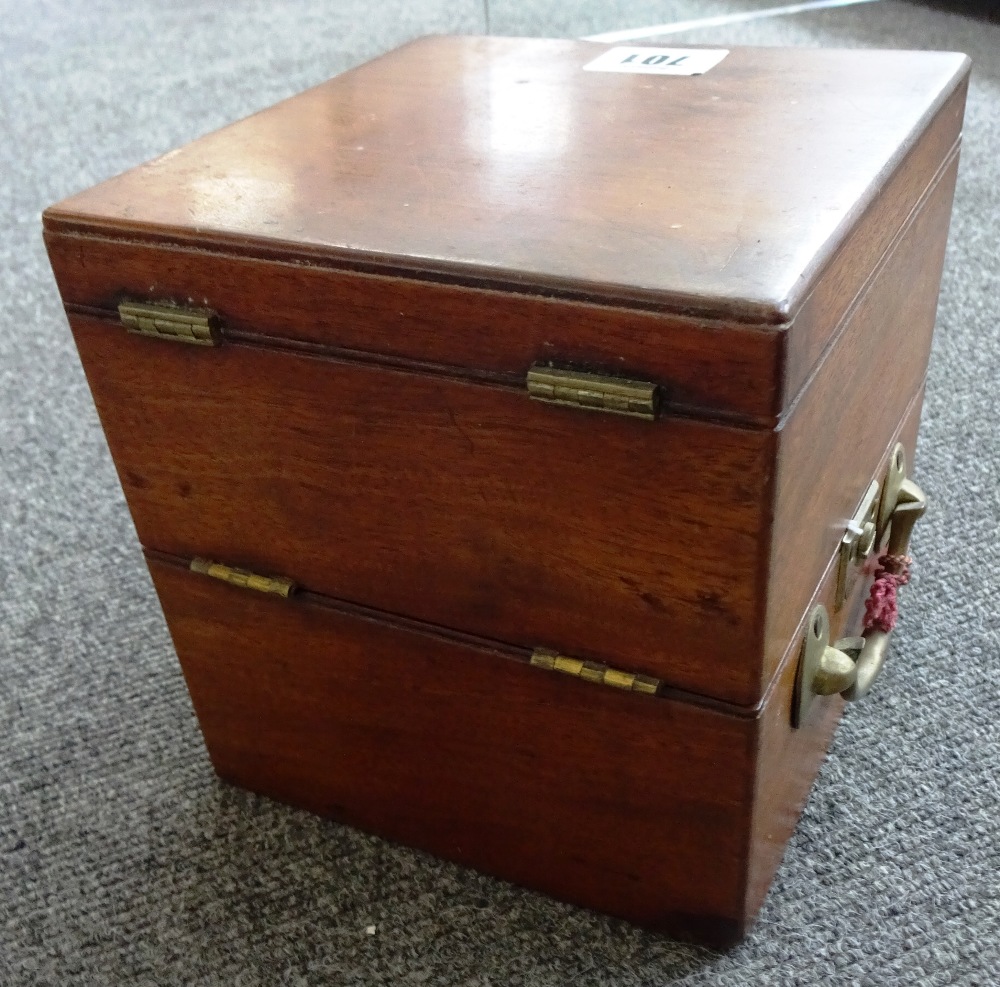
x=881 y=608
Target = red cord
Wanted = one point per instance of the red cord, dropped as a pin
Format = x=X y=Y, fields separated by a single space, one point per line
x=881 y=607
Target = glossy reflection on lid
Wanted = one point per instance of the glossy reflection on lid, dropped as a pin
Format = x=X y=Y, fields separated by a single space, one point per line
x=504 y=159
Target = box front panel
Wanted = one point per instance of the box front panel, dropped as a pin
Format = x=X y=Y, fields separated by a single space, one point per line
x=634 y=805
x=466 y=505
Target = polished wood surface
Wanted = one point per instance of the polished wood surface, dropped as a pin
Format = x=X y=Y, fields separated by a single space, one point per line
x=724 y=370
x=501 y=157
x=388 y=255
x=835 y=442
x=634 y=805
x=682 y=549
x=668 y=813
x=850 y=272
x=723 y=202
x=788 y=758
x=464 y=504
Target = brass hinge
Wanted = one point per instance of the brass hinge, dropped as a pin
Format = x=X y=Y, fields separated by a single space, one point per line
x=183 y=325
x=597 y=392
x=593 y=671
x=243 y=578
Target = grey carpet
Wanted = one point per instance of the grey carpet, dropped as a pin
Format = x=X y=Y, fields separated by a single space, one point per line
x=122 y=859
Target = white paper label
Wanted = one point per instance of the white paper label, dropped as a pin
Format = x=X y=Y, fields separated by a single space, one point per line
x=657 y=61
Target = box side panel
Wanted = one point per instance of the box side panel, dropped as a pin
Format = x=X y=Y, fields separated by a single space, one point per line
x=465 y=505
x=629 y=804
x=789 y=758
x=856 y=263
x=732 y=370
x=836 y=440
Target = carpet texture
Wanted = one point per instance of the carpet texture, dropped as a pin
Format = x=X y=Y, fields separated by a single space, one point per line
x=124 y=861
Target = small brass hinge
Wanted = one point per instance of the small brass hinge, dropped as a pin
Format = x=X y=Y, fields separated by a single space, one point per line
x=183 y=325
x=243 y=578
x=594 y=671
x=595 y=391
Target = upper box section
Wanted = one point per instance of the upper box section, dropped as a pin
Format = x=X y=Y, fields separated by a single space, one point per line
x=505 y=164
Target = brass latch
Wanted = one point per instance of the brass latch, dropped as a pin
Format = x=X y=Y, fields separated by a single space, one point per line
x=183 y=325
x=858 y=541
x=851 y=666
x=598 y=392
x=866 y=530
x=593 y=671
x=244 y=578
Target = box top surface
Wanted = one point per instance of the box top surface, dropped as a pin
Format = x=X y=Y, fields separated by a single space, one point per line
x=504 y=159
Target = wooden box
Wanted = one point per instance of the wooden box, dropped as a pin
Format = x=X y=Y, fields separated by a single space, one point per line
x=516 y=358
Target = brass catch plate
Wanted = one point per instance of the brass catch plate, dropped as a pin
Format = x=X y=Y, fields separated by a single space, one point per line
x=597 y=392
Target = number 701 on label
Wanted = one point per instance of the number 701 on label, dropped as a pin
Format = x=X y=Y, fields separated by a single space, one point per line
x=657 y=61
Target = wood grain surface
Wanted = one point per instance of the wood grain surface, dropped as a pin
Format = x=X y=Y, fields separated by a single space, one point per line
x=660 y=547
x=836 y=440
x=716 y=369
x=501 y=158
x=633 y=805
x=465 y=505
x=668 y=813
x=788 y=758
x=720 y=203
x=850 y=272
x=388 y=254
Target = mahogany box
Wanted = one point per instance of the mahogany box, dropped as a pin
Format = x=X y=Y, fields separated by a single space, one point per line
x=515 y=430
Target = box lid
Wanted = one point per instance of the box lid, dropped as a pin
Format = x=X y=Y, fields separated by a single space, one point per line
x=682 y=214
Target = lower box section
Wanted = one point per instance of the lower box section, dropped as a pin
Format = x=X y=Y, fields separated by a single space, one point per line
x=670 y=811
